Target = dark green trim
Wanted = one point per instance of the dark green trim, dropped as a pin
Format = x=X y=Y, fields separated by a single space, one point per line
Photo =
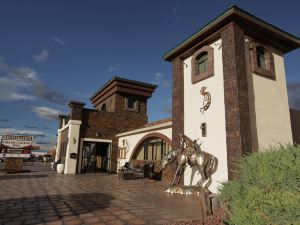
x=124 y=80
x=232 y=10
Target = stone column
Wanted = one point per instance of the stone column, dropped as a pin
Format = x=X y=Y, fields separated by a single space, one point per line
x=238 y=126
x=178 y=102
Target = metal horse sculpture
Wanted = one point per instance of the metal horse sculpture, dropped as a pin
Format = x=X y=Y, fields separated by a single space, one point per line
x=191 y=154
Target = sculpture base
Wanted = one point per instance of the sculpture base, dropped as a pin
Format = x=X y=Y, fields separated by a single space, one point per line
x=206 y=198
x=187 y=190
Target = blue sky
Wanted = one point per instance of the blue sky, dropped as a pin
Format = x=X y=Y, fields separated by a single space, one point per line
x=55 y=51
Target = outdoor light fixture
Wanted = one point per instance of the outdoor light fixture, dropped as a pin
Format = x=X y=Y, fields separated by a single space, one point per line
x=98 y=134
x=203 y=128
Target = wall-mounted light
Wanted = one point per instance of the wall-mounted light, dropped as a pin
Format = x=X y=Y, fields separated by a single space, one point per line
x=203 y=128
x=98 y=134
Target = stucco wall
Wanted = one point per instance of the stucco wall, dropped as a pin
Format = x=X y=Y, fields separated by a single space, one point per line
x=132 y=141
x=215 y=142
x=268 y=103
x=73 y=137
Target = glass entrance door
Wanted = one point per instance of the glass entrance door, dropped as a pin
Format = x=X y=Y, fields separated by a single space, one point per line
x=96 y=157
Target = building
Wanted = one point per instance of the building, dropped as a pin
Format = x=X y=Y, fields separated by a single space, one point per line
x=87 y=139
x=229 y=92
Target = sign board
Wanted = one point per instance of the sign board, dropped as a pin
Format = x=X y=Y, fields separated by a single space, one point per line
x=15 y=146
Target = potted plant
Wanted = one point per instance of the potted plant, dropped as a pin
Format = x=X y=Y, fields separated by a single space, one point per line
x=60 y=166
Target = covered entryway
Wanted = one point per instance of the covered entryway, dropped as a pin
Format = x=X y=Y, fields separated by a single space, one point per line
x=150 y=149
x=95 y=156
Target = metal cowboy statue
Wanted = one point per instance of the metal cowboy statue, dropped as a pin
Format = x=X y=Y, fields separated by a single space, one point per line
x=191 y=154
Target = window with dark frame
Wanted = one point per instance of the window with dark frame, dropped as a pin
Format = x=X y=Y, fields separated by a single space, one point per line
x=262 y=60
x=202 y=63
x=103 y=108
x=131 y=103
x=260 y=56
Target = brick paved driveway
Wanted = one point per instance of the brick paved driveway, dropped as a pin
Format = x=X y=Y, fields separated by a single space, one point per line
x=50 y=198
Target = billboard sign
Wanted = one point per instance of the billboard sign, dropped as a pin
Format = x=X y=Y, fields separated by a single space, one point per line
x=15 y=146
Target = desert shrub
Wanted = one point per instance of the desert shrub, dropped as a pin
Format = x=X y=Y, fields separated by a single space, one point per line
x=268 y=191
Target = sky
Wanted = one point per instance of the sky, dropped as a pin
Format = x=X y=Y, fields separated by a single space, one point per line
x=55 y=51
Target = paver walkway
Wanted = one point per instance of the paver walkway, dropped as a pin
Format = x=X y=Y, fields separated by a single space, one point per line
x=50 y=198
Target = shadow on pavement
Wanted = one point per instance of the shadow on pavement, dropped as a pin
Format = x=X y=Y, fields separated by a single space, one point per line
x=12 y=177
x=39 y=209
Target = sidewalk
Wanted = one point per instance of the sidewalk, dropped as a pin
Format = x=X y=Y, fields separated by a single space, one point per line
x=50 y=198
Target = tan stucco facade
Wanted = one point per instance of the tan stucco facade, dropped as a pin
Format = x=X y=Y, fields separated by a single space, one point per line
x=268 y=105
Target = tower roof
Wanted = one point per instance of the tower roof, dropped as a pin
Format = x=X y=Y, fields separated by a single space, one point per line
x=251 y=24
x=122 y=85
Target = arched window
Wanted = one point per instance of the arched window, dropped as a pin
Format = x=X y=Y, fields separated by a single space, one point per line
x=202 y=63
x=260 y=56
x=152 y=149
x=103 y=108
x=262 y=60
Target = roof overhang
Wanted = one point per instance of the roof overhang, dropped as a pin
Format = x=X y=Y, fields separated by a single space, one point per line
x=251 y=25
x=121 y=85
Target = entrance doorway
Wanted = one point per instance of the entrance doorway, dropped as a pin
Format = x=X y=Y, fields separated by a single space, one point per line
x=96 y=157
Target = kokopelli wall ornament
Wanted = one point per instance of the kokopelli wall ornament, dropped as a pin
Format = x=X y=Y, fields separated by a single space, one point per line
x=206 y=99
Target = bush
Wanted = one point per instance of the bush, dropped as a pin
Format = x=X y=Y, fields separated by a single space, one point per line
x=268 y=191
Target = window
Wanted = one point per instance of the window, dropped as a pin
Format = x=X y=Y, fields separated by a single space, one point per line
x=202 y=64
x=262 y=61
x=260 y=55
x=131 y=103
x=103 y=108
x=153 y=149
x=122 y=153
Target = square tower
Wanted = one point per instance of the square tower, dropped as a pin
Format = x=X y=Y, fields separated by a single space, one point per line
x=229 y=88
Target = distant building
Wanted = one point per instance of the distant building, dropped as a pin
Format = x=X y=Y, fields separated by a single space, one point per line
x=229 y=91
x=39 y=153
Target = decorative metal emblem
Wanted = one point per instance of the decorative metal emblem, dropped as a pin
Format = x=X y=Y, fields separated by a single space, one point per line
x=206 y=99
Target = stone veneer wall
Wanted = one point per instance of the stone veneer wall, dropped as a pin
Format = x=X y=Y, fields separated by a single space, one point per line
x=110 y=103
x=178 y=101
x=121 y=100
x=238 y=126
x=108 y=124
x=295 y=122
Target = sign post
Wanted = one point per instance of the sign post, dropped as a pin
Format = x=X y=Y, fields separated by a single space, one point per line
x=15 y=148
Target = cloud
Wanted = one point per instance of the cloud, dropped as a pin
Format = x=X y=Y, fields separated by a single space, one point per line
x=114 y=68
x=4 y=120
x=167 y=110
x=159 y=79
x=5 y=126
x=165 y=83
x=59 y=41
x=82 y=95
x=294 y=95
x=10 y=90
x=36 y=134
x=45 y=112
x=23 y=83
x=43 y=56
x=174 y=10
x=44 y=93
x=45 y=142
x=31 y=127
x=36 y=127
